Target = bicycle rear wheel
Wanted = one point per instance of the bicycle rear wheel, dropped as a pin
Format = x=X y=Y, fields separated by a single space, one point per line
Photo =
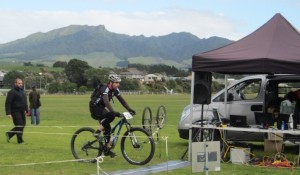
x=147 y=119
x=161 y=117
x=137 y=146
x=85 y=146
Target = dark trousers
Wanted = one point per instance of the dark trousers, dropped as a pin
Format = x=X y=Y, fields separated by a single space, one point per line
x=19 y=120
x=104 y=118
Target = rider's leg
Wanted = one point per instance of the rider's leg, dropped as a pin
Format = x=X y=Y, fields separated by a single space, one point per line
x=98 y=113
x=109 y=117
x=107 y=128
x=99 y=130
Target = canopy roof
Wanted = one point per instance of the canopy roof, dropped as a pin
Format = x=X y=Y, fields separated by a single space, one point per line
x=272 y=48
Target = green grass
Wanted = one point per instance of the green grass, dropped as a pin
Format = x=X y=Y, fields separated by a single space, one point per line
x=62 y=115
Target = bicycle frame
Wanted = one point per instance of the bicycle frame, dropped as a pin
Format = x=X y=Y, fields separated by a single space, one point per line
x=117 y=127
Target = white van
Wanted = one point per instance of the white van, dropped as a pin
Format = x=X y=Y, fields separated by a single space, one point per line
x=257 y=93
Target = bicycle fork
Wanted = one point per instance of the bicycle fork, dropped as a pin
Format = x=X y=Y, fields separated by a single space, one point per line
x=132 y=136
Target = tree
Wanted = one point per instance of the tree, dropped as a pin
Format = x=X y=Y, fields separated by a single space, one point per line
x=59 y=76
x=82 y=89
x=27 y=64
x=96 y=76
x=169 y=70
x=54 y=88
x=216 y=86
x=68 y=87
x=75 y=71
x=40 y=65
x=61 y=64
x=10 y=77
x=128 y=84
x=171 y=84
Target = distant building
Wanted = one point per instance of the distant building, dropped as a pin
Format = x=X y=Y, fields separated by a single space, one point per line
x=153 y=78
x=133 y=73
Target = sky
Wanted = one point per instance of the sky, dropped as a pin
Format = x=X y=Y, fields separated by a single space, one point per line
x=231 y=19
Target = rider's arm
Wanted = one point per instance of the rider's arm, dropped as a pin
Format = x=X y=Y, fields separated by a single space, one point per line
x=123 y=102
x=107 y=103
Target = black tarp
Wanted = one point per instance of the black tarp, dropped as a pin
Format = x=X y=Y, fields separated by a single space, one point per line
x=272 y=48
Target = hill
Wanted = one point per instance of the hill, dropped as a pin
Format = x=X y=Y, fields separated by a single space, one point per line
x=99 y=47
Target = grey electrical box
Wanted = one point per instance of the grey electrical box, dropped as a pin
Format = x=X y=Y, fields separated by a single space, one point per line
x=205 y=156
x=240 y=155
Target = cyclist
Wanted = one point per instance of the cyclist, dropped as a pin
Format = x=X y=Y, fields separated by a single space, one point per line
x=102 y=110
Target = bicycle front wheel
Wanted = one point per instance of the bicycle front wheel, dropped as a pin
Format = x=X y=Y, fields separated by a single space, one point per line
x=137 y=146
x=85 y=146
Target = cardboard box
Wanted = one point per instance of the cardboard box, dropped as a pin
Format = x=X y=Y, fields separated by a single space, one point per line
x=275 y=136
x=272 y=146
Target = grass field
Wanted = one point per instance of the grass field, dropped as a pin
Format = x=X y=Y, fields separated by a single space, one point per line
x=47 y=151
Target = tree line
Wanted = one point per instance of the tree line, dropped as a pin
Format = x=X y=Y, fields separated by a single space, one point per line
x=78 y=76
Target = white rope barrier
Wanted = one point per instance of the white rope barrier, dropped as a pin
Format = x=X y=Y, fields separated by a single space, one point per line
x=41 y=126
x=50 y=162
x=61 y=127
x=99 y=161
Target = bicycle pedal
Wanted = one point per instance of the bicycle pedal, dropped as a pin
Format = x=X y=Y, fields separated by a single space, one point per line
x=110 y=153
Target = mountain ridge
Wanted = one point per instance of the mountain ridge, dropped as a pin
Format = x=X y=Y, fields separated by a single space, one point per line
x=83 y=41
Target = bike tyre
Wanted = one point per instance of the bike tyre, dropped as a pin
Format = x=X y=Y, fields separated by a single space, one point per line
x=161 y=117
x=83 y=135
x=135 y=155
x=147 y=119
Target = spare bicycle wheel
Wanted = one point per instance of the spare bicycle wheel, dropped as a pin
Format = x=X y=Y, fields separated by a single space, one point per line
x=161 y=117
x=147 y=119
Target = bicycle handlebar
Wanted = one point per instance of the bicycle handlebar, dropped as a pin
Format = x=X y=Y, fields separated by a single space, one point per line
x=127 y=115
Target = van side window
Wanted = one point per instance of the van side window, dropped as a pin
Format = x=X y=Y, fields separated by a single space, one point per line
x=285 y=87
x=245 y=90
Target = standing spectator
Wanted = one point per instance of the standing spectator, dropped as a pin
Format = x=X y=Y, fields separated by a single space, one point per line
x=15 y=108
x=35 y=103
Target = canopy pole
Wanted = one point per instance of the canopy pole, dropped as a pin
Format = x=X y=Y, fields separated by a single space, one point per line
x=225 y=96
x=191 y=117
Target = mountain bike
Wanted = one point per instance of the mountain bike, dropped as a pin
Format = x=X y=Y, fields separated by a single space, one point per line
x=158 y=123
x=137 y=145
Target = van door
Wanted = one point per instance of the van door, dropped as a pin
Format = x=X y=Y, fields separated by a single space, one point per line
x=244 y=99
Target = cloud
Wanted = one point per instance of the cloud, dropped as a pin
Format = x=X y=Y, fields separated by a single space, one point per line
x=19 y=24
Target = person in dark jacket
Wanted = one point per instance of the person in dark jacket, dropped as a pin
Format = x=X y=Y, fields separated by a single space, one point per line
x=102 y=110
x=34 y=105
x=16 y=108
